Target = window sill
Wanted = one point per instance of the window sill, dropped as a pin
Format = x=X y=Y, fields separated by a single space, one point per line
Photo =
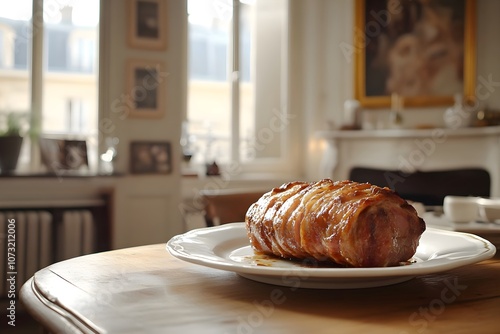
x=191 y=185
x=61 y=174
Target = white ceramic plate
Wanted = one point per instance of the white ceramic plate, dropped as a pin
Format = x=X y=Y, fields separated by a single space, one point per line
x=227 y=247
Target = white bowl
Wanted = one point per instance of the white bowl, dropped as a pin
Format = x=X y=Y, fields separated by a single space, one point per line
x=461 y=209
x=489 y=209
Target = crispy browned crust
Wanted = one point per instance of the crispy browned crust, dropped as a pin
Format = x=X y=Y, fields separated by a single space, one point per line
x=352 y=224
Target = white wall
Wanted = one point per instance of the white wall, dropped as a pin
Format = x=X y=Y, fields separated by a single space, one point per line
x=146 y=206
x=488 y=45
x=320 y=78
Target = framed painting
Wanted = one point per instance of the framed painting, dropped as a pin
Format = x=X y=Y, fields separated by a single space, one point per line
x=146 y=82
x=147 y=24
x=424 y=51
x=150 y=157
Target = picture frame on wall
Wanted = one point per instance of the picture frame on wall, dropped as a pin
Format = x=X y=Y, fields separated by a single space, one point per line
x=424 y=51
x=150 y=157
x=146 y=82
x=147 y=28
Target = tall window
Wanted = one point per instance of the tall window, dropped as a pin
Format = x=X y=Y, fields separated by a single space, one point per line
x=237 y=76
x=67 y=104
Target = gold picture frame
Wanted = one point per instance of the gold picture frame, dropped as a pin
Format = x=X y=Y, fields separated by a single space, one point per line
x=427 y=70
x=147 y=24
x=146 y=82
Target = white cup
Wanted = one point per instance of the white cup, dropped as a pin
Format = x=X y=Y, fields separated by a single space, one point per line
x=461 y=209
x=489 y=209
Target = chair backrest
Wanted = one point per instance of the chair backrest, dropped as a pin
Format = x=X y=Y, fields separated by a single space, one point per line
x=429 y=187
x=228 y=205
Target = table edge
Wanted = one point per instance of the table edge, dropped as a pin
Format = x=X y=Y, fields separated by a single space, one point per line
x=49 y=315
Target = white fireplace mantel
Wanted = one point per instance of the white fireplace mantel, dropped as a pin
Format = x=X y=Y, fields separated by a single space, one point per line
x=412 y=149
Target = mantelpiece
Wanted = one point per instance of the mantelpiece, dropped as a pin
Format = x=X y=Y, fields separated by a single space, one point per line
x=412 y=149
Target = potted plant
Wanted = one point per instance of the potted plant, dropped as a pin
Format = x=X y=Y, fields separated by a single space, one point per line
x=11 y=141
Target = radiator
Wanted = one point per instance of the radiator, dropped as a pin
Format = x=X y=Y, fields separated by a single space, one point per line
x=43 y=237
x=76 y=234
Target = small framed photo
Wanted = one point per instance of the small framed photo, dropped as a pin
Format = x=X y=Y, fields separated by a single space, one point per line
x=63 y=154
x=150 y=157
x=146 y=82
x=147 y=27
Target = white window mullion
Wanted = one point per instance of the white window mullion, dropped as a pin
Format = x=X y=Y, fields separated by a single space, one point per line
x=235 y=84
x=37 y=60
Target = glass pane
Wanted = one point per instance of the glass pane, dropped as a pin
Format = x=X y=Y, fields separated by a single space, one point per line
x=15 y=43
x=247 y=114
x=209 y=94
x=15 y=46
x=263 y=43
x=70 y=70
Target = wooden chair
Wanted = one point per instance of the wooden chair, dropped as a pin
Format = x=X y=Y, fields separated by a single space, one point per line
x=429 y=187
x=228 y=205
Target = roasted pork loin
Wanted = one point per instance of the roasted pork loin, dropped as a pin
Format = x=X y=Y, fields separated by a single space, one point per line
x=352 y=224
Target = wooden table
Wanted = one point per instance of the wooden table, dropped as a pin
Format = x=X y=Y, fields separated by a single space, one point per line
x=146 y=290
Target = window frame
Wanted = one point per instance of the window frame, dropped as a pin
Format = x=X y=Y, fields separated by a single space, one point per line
x=284 y=164
x=36 y=67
